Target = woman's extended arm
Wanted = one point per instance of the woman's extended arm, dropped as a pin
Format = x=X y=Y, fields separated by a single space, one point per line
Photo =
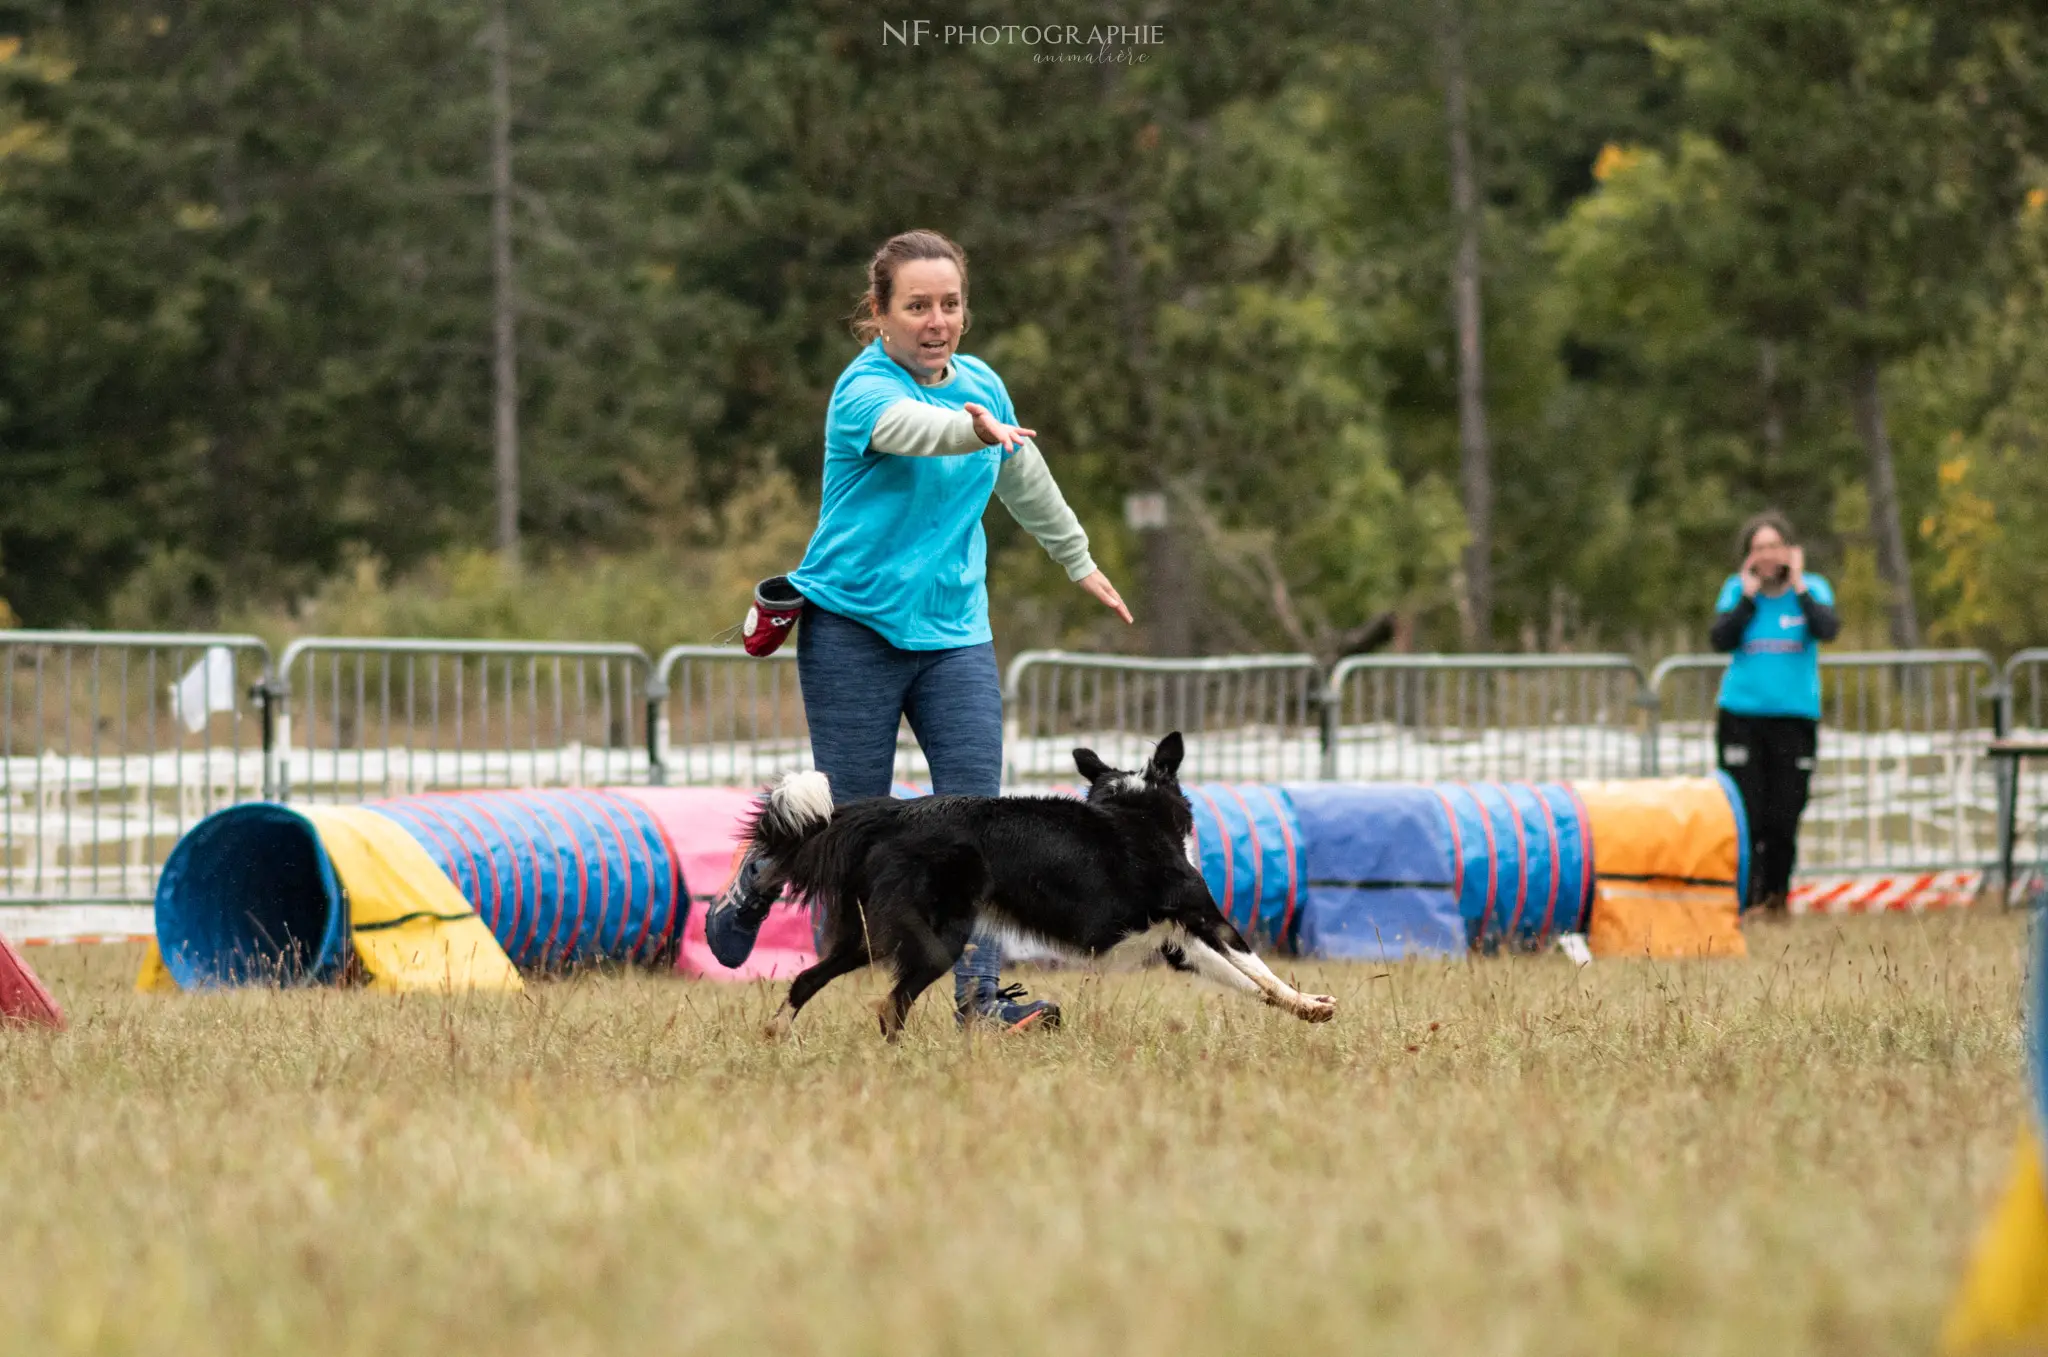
x=1027 y=489
x=911 y=428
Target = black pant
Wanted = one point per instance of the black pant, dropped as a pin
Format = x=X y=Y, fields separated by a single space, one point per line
x=1771 y=760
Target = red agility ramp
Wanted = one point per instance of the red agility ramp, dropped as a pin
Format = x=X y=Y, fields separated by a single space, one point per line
x=22 y=996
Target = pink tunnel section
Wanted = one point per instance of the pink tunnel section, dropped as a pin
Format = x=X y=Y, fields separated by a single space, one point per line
x=702 y=826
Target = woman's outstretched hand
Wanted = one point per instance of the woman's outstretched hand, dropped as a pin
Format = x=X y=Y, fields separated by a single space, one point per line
x=1098 y=584
x=993 y=431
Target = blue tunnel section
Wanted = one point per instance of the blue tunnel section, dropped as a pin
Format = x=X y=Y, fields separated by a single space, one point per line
x=560 y=877
x=1524 y=854
x=1381 y=872
x=1398 y=870
x=249 y=896
x=1248 y=842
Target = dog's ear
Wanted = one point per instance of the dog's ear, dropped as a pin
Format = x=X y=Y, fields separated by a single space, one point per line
x=1166 y=759
x=1090 y=766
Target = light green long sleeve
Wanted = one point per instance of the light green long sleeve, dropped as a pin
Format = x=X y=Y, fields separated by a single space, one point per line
x=911 y=428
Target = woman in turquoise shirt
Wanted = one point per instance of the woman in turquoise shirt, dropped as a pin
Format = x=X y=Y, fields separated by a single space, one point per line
x=895 y=627
x=1771 y=618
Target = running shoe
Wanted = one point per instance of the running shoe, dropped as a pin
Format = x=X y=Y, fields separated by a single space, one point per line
x=1008 y=1008
x=735 y=921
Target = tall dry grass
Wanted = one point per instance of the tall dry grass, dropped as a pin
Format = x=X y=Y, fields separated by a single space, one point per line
x=1785 y=1154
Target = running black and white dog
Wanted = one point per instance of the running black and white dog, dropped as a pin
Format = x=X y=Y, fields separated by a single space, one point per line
x=903 y=882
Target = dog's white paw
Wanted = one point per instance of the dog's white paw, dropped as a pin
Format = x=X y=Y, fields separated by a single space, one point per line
x=1317 y=1007
x=779 y=1027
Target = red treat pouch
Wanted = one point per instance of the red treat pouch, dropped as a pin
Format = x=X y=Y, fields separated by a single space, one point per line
x=776 y=609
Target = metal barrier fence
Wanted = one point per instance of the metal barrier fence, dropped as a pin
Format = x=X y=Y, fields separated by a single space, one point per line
x=1421 y=718
x=112 y=744
x=1244 y=717
x=2026 y=686
x=358 y=719
x=2026 y=717
x=728 y=719
x=1901 y=782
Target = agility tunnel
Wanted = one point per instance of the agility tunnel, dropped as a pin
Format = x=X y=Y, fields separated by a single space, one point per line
x=1383 y=871
x=448 y=889
x=460 y=890
x=1671 y=866
x=1400 y=870
x=466 y=889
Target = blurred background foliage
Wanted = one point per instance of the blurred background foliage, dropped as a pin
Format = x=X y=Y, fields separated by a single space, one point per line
x=245 y=362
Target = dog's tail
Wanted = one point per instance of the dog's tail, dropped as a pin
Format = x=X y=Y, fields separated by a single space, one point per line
x=790 y=813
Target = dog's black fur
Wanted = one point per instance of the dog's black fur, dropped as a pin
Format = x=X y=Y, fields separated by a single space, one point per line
x=904 y=882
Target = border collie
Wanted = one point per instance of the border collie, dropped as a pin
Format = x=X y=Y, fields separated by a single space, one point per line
x=903 y=882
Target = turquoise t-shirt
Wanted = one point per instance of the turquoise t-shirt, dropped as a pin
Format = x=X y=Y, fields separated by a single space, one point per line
x=899 y=544
x=1776 y=669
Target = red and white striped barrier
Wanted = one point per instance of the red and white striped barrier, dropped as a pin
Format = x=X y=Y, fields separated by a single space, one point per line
x=1875 y=894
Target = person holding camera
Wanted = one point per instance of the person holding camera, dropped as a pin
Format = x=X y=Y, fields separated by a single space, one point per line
x=1771 y=619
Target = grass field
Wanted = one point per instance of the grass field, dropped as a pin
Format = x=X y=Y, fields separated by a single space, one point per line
x=1785 y=1154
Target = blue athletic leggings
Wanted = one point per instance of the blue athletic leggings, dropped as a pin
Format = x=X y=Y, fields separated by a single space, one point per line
x=857 y=688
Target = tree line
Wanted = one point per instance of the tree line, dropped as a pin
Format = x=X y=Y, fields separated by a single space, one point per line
x=1431 y=323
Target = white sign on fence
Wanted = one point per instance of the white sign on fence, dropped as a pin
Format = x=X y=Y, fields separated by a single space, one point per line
x=207 y=687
